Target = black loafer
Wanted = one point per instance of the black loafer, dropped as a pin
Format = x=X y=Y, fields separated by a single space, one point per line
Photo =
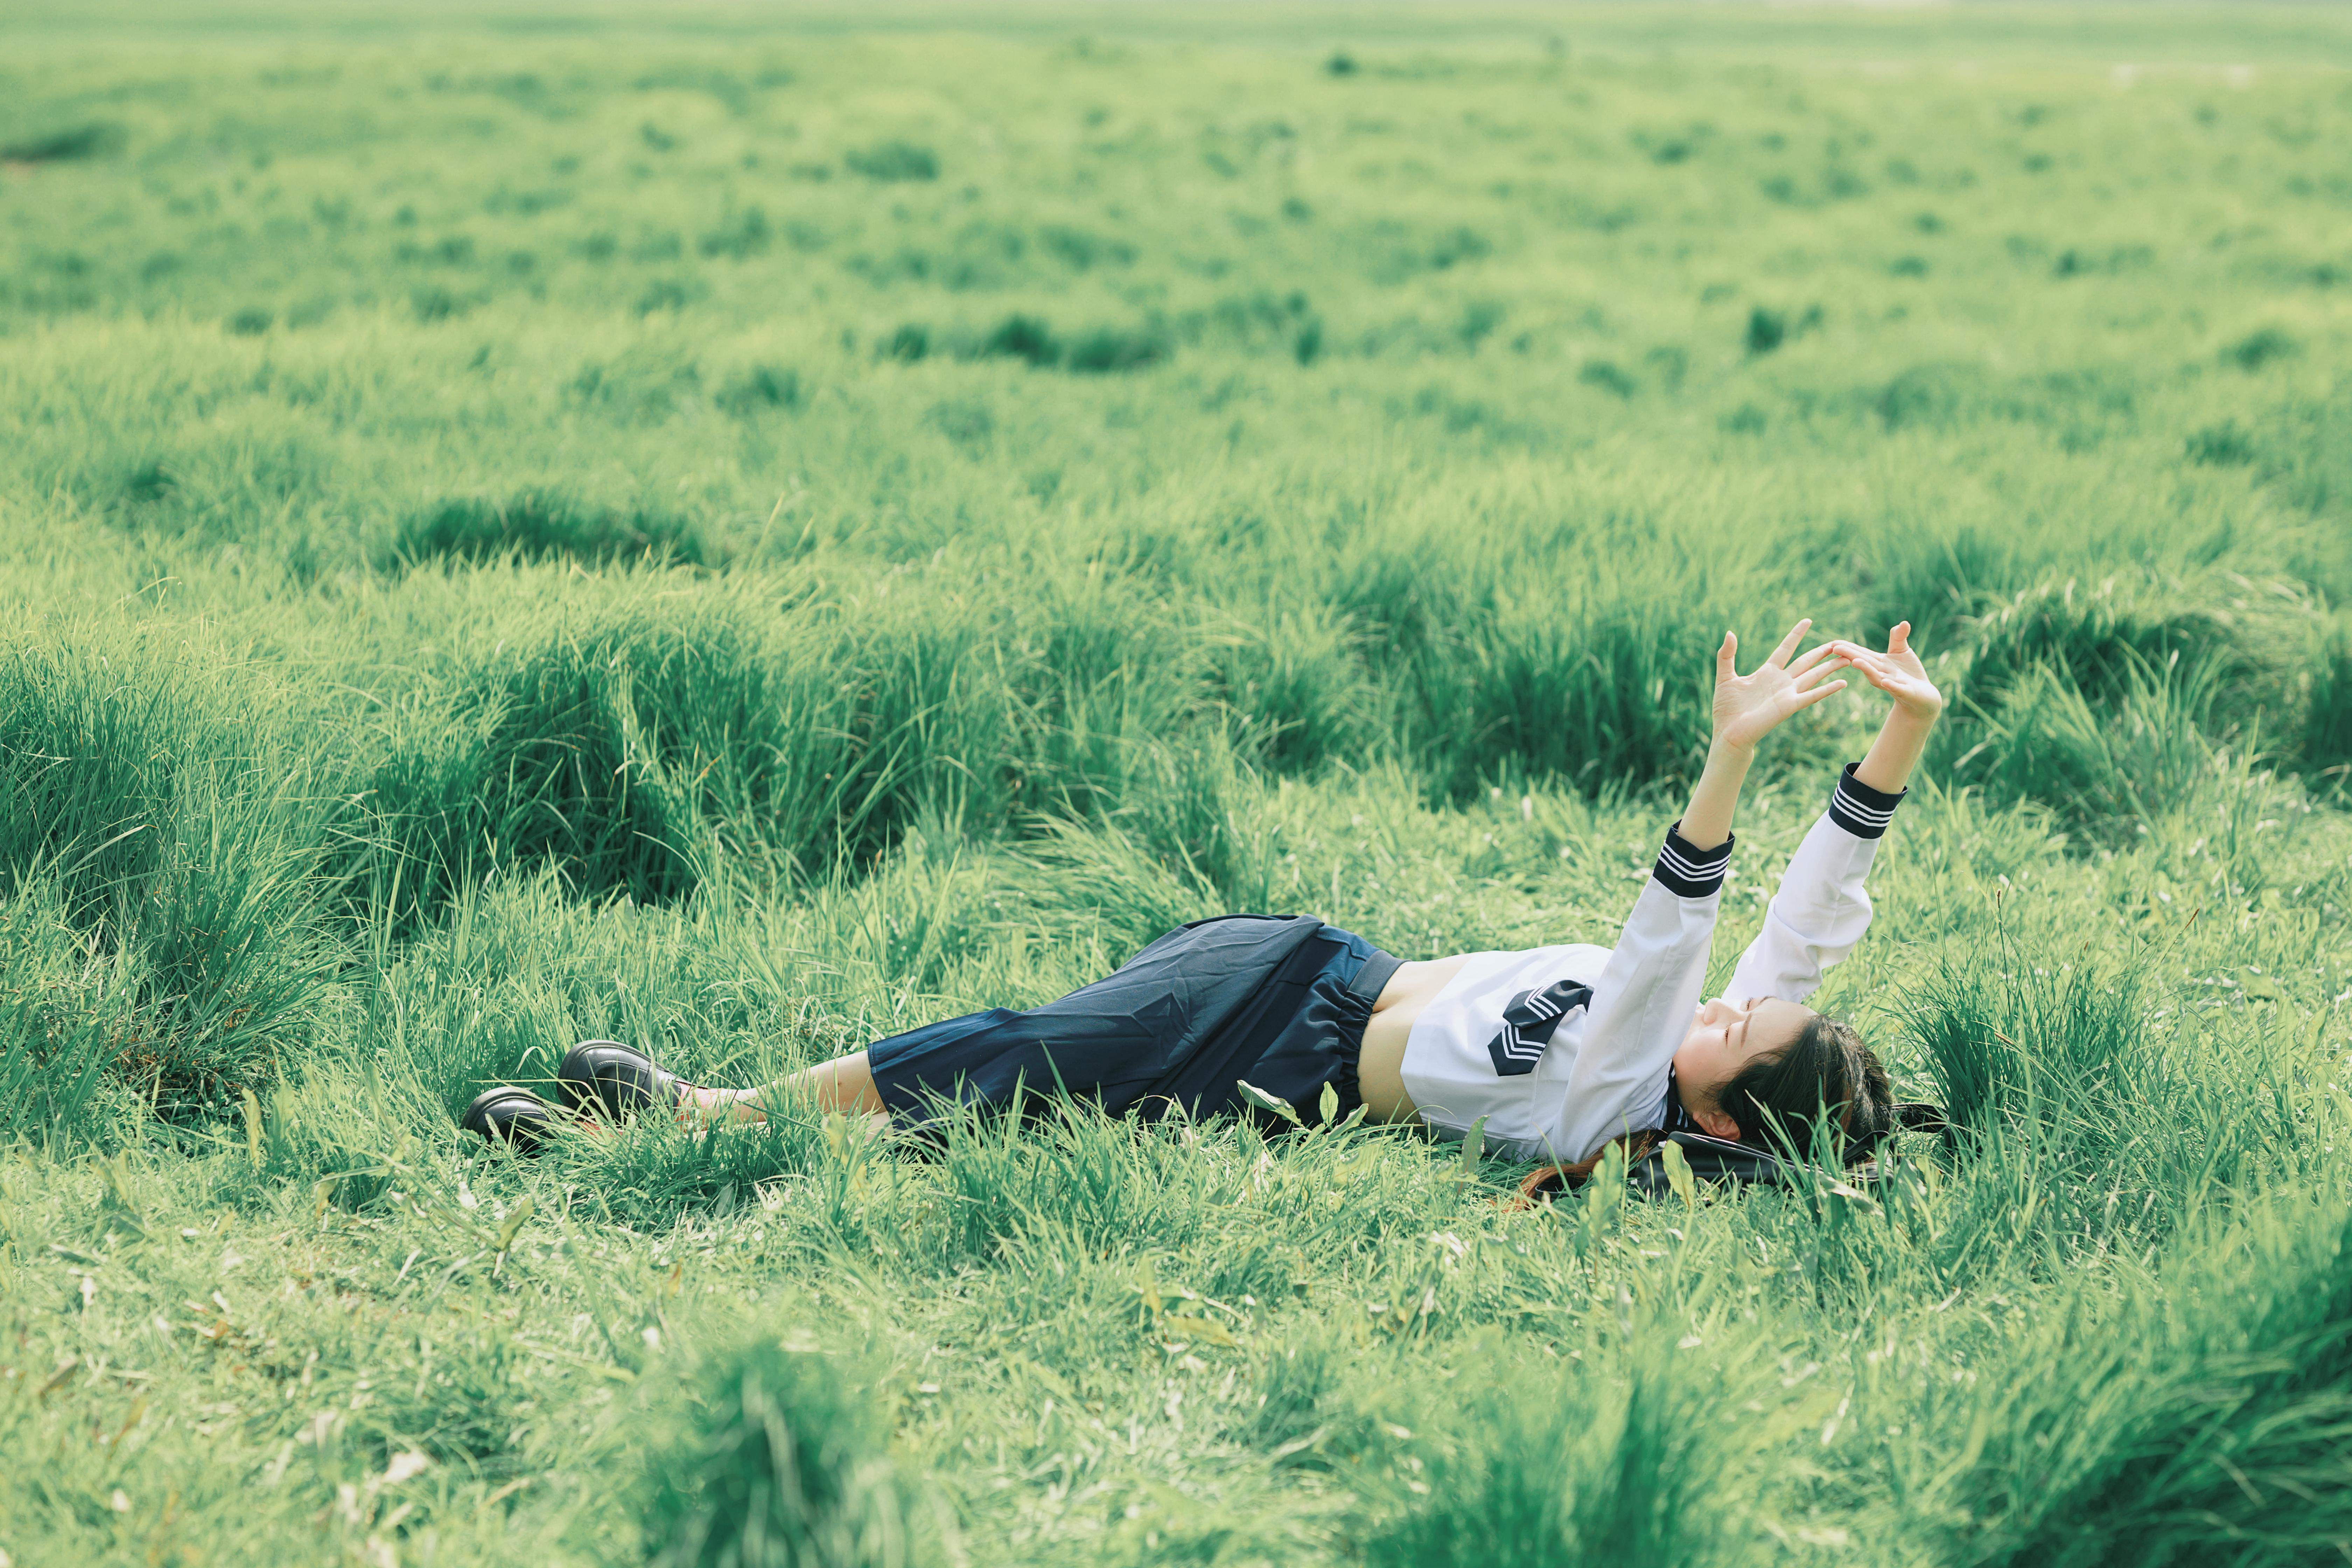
x=515 y=1117
x=617 y=1079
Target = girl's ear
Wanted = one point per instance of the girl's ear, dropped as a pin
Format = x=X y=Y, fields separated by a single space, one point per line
x=1714 y=1123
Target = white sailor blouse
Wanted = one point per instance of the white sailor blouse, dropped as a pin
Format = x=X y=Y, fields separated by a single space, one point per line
x=1562 y=1048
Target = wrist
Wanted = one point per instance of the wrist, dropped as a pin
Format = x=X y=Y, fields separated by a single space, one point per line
x=1738 y=753
x=1916 y=717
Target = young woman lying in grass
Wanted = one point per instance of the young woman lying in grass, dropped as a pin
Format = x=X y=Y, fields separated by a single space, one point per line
x=1557 y=1049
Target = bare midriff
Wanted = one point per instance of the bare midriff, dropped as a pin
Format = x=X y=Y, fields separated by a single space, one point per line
x=1380 y=1070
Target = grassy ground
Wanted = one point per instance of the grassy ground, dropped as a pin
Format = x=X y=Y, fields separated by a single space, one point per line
x=747 y=534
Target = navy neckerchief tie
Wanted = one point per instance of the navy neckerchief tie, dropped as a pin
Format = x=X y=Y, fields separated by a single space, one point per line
x=1527 y=1024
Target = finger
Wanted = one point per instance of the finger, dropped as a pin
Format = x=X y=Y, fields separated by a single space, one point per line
x=1807 y=671
x=1817 y=693
x=1726 y=656
x=1815 y=654
x=1899 y=639
x=1814 y=676
x=1872 y=666
x=1779 y=659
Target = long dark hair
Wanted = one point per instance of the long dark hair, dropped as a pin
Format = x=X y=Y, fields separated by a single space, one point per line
x=1779 y=1097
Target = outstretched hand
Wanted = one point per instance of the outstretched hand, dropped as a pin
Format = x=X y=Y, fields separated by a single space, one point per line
x=1898 y=672
x=1748 y=707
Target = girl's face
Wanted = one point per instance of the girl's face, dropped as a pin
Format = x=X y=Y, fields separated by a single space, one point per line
x=1724 y=1038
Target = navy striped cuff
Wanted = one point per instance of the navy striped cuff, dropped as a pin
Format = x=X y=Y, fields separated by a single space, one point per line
x=1690 y=872
x=1861 y=810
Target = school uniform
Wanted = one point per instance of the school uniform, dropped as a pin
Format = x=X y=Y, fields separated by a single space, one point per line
x=1558 y=1049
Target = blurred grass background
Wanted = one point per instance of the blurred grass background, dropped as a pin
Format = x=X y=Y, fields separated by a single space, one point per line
x=746 y=528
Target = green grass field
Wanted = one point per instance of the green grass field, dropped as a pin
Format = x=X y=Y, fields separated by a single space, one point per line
x=748 y=529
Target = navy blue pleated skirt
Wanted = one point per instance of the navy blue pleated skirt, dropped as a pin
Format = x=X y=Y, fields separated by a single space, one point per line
x=1258 y=997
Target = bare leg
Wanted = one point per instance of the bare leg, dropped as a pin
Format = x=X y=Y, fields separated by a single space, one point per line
x=844 y=1084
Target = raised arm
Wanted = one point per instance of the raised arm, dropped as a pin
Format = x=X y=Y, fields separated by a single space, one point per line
x=1746 y=709
x=1643 y=1004
x=1917 y=705
x=1820 y=909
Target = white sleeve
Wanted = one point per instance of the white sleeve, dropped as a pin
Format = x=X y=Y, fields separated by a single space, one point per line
x=1643 y=1004
x=1820 y=909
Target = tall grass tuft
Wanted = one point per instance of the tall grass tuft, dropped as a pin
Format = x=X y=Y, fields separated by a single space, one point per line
x=1938 y=582
x=539 y=525
x=2325 y=747
x=141 y=813
x=90 y=753
x=541 y=760
x=655 y=1168
x=1295 y=680
x=2051 y=1059
x=2200 y=1418
x=635 y=748
x=63 y=1009
x=1555 y=686
x=2244 y=641
x=233 y=960
x=2107 y=768
x=777 y=1463
x=2024 y=1030
x=1638 y=1458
